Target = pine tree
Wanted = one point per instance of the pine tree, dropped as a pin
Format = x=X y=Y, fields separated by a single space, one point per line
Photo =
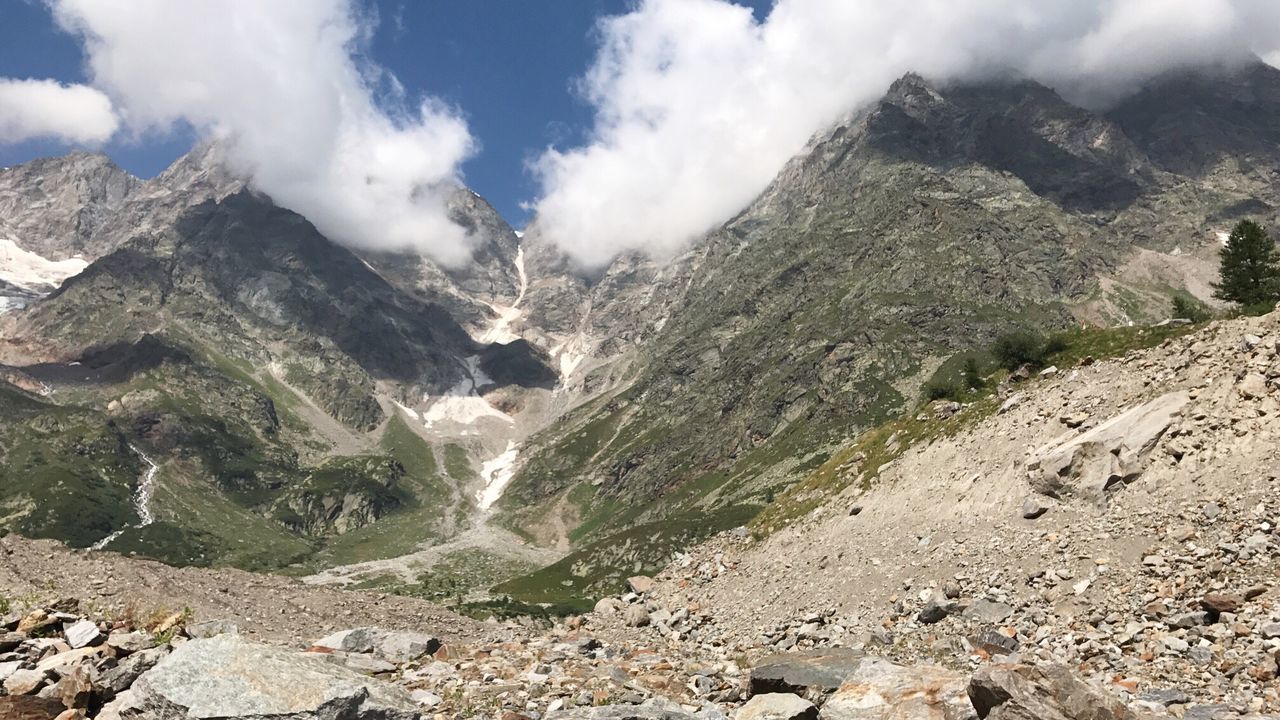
x=1250 y=272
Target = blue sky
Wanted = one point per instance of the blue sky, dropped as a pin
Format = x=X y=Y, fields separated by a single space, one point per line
x=508 y=64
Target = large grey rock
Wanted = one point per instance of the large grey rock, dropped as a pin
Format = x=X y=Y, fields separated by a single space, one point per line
x=777 y=706
x=935 y=611
x=228 y=677
x=1040 y=692
x=401 y=647
x=212 y=628
x=119 y=678
x=813 y=675
x=358 y=640
x=24 y=682
x=126 y=643
x=83 y=634
x=989 y=611
x=1115 y=452
x=882 y=690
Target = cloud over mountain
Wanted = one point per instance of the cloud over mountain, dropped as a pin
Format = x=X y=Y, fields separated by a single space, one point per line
x=287 y=86
x=31 y=109
x=698 y=105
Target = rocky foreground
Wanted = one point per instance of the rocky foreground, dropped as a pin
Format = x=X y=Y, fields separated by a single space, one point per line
x=57 y=664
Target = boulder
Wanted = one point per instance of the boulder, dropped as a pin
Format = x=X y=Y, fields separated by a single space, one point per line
x=358 y=640
x=28 y=708
x=640 y=584
x=989 y=611
x=813 y=674
x=83 y=634
x=11 y=640
x=402 y=647
x=637 y=616
x=1217 y=603
x=882 y=690
x=1111 y=454
x=212 y=628
x=228 y=677
x=1032 y=508
x=1017 y=691
x=935 y=611
x=1252 y=387
x=119 y=678
x=777 y=706
x=608 y=606
x=24 y=682
x=75 y=689
x=131 y=642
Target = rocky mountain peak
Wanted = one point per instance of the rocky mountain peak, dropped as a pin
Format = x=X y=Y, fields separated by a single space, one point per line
x=52 y=206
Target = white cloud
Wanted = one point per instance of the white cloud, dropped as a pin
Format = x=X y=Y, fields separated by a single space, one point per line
x=287 y=86
x=32 y=109
x=698 y=106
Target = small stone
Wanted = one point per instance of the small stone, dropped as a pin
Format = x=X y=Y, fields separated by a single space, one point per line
x=637 y=616
x=935 y=612
x=1252 y=387
x=1165 y=697
x=855 y=510
x=1032 y=508
x=1187 y=620
x=1074 y=420
x=1218 y=603
x=426 y=699
x=1211 y=511
x=777 y=706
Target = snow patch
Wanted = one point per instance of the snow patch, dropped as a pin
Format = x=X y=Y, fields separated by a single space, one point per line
x=500 y=330
x=1224 y=238
x=462 y=403
x=461 y=410
x=497 y=474
x=30 y=271
x=407 y=410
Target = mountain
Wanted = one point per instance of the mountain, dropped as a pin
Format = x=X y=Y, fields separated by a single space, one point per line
x=901 y=242
x=219 y=383
x=253 y=363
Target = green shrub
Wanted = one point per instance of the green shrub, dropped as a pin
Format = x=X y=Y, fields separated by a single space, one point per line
x=1014 y=349
x=972 y=375
x=942 y=390
x=1186 y=307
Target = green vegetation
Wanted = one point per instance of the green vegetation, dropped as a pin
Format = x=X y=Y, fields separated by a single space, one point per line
x=1186 y=307
x=601 y=567
x=861 y=460
x=1014 y=349
x=1250 y=273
